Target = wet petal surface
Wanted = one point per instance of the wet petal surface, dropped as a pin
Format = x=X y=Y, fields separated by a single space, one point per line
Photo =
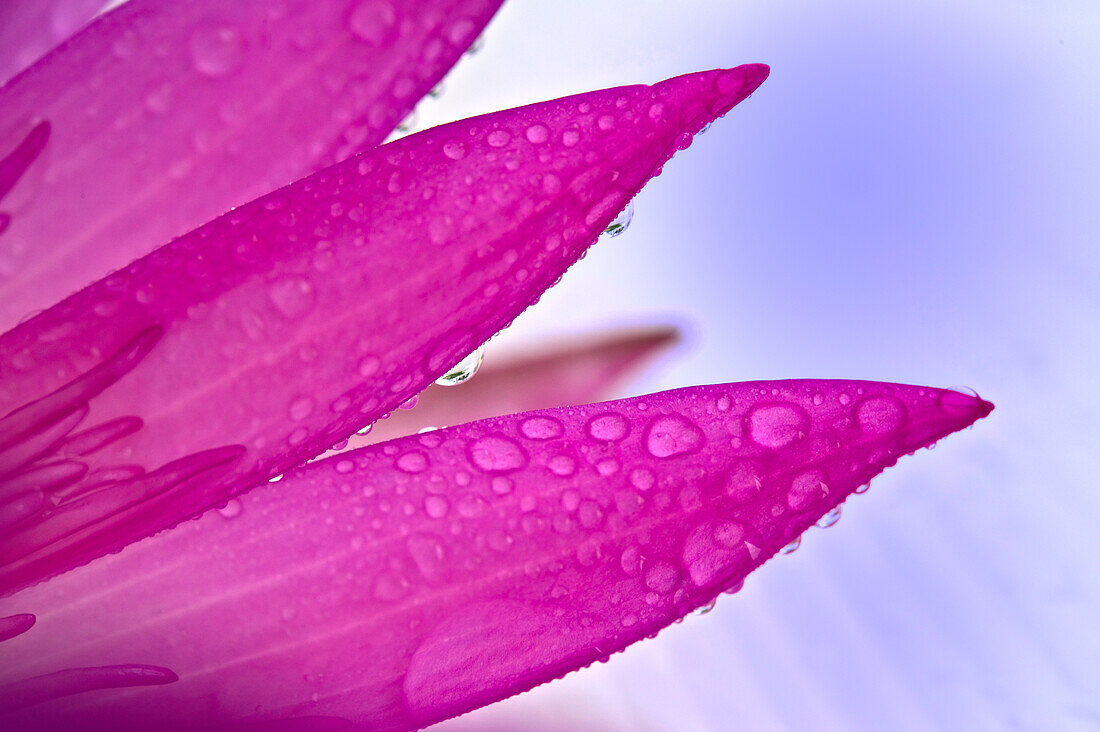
x=411 y=581
x=163 y=115
x=271 y=333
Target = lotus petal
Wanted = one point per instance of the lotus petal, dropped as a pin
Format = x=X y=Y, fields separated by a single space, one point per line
x=31 y=28
x=264 y=337
x=577 y=373
x=408 y=582
x=162 y=115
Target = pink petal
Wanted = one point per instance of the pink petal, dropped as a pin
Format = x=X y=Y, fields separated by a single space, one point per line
x=577 y=373
x=411 y=581
x=266 y=336
x=31 y=28
x=163 y=115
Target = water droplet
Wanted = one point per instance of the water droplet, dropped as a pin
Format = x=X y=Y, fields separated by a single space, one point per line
x=570 y=136
x=806 y=489
x=608 y=427
x=621 y=222
x=672 y=435
x=292 y=296
x=499 y=138
x=541 y=428
x=777 y=425
x=661 y=576
x=368 y=366
x=538 y=134
x=497 y=454
x=412 y=462
x=463 y=370
x=366 y=430
x=501 y=486
x=454 y=149
x=344 y=467
x=792 y=546
x=231 y=509
x=829 y=519
x=471 y=505
x=436 y=507
x=606 y=122
x=476 y=46
x=704 y=609
x=410 y=403
x=880 y=415
x=705 y=128
x=409 y=123
x=216 y=50
x=373 y=22
x=642 y=479
x=300 y=408
x=562 y=465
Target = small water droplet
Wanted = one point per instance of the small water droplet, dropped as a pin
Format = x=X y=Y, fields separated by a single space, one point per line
x=704 y=609
x=499 y=138
x=436 y=507
x=661 y=576
x=412 y=462
x=538 y=134
x=541 y=428
x=454 y=149
x=463 y=370
x=366 y=430
x=829 y=519
x=292 y=296
x=621 y=222
x=410 y=403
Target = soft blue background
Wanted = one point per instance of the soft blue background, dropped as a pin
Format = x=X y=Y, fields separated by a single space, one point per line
x=913 y=196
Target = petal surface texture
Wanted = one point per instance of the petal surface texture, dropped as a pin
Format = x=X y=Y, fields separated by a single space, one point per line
x=29 y=29
x=264 y=337
x=585 y=371
x=162 y=115
x=414 y=580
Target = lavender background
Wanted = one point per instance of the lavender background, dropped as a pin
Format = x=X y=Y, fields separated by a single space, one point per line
x=913 y=196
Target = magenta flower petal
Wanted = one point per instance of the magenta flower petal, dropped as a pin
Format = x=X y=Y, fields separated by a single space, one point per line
x=408 y=582
x=31 y=28
x=576 y=373
x=267 y=335
x=162 y=115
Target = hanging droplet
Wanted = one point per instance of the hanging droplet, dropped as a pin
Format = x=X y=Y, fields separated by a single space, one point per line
x=409 y=123
x=463 y=370
x=829 y=519
x=704 y=609
x=705 y=128
x=410 y=402
x=621 y=221
x=276 y=479
x=366 y=430
x=437 y=91
x=792 y=546
x=476 y=46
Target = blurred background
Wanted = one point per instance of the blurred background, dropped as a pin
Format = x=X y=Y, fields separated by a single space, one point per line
x=913 y=196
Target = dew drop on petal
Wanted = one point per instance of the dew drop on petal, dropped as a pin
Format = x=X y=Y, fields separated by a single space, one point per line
x=436 y=507
x=792 y=546
x=777 y=425
x=608 y=427
x=541 y=428
x=880 y=415
x=672 y=435
x=538 y=134
x=374 y=22
x=661 y=576
x=497 y=454
x=412 y=462
x=704 y=609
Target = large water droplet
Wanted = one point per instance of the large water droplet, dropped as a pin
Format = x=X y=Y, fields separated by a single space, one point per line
x=608 y=427
x=880 y=415
x=541 y=428
x=621 y=222
x=497 y=454
x=217 y=50
x=463 y=370
x=777 y=425
x=412 y=462
x=672 y=435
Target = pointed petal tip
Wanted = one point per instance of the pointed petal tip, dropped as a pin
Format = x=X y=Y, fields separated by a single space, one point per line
x=965 y=404
x=720 y=89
